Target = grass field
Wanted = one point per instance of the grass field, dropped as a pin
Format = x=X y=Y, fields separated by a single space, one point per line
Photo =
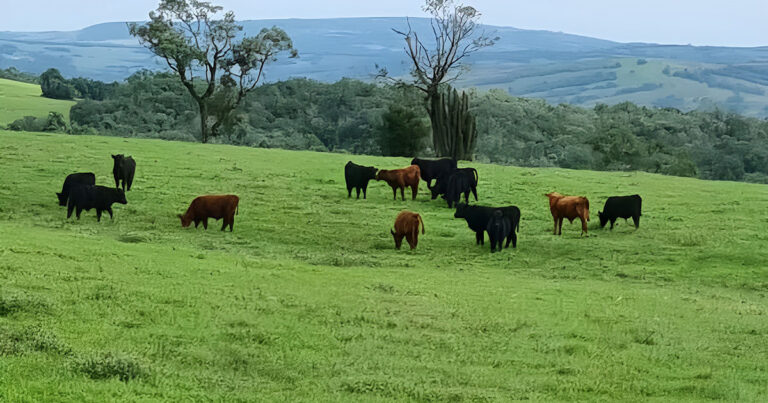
x=307 y=300
x=21 y=99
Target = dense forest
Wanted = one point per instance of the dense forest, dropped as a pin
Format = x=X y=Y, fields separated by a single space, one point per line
x=367 y=118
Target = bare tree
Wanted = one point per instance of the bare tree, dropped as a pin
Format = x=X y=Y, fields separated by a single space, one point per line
x=202 y=47
x=435 y=66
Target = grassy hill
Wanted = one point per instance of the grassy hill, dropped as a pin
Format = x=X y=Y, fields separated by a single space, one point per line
x=556 y=66
x=22 y=99
x=308 y=300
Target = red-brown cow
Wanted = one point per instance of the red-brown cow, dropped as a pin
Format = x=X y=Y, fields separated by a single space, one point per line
x=407 y=225
x=401 y=178
x=569 y=207
x=216 y=207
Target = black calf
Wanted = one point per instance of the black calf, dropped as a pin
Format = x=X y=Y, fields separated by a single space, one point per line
x=72 y=180
x=357 y=177
x=621 y=207
x=87 y=197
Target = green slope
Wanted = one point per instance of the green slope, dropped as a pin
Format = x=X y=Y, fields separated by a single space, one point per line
x=307 y=300
x=21 y=99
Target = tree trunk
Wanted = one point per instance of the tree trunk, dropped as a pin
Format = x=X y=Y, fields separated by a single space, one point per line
x=203 y=121
x=453 y=128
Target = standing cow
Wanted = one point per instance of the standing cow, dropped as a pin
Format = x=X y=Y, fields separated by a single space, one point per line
x=400 y=179
x=441 y=184
x=459 y=182
x=357 y=177
x=72 y=180
x=433 y=169
x=621 y=207
x=498 y=228
x=123 y=170
x=86 y=197
x=407 y=225
x=570 y=207
x=213 y=206
x=477 y=218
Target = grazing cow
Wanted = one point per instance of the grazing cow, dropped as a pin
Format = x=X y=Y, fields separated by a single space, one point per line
x=441 y=184
x=86 y=197
x=400 y=179
x=216 y=207
x=407 y=225
x=123 y=169
x=433 y=169
x=477 y=218
x=498 y=228
x=569 y=207
x=72 y=180
x=459 y=182
x=357 y=176
x=621 y=207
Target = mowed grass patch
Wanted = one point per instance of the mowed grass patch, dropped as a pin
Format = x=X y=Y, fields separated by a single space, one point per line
x=24 y=99
x=308 y=299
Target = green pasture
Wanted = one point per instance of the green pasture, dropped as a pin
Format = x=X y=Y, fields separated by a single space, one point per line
x=19 y=99
x=308 y=300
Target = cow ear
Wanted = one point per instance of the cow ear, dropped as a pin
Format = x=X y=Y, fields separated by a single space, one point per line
x=179 y=215
x=392 y=232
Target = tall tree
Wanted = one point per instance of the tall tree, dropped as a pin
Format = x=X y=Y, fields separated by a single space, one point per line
x=203 y=47
x=436 y=65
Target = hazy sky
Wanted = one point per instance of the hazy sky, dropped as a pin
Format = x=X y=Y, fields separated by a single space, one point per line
x=698 y=22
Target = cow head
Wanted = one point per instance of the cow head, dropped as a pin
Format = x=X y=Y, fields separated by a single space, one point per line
x=415 y=161
x=62 y=199
x=381 y=174
x=119 y=196
x=370 y=173
x=185 y=221
x=461 y=210
x=438 y=188
x=398 y=242
x=603 y=218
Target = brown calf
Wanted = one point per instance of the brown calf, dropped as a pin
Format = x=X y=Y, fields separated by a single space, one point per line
x=401 y=178
x=216 y=207
x=407 y=225
x=569 y=207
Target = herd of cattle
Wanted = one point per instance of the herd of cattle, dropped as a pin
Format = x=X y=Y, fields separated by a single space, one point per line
x=499 y=222
x=80 y=192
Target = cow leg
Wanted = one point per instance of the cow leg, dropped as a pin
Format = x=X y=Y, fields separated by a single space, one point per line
x=398 y=240
x=205 y=223
x=554 y=231
x=197 y=222
x=70 y=207
x=117 y=182
x=613 y=220
x=636 y=220
x=109 y=210
x=365 y=190
x=481 y=235
x=231 y=222
x=98 y=215
x=560 y=226
x=130 y=182
x=409 y=239
x=466 y=197
x=357 y=190
x=77 y=213
x=402 y=193
x=474 y=192
x=394 y=192
x=349 y=192
x=583 y=226
x=414 y=191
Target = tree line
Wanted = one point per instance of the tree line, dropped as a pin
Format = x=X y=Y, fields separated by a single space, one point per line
x=358 y=117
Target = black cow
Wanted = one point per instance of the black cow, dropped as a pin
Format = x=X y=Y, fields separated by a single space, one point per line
x=621 y=207
x=86 y=197
x=433 y=169
x=72 y=180
x=477 y=218
x=357 y=176
x=123 y=169
x=459 y=182
x=498 y=228
x=441 y=184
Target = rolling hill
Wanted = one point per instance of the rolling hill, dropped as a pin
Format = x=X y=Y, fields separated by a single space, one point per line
x=22 y=99
x=559 y=67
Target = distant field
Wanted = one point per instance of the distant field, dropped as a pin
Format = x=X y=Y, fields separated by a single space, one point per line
x=307 y=300
x=22 y=99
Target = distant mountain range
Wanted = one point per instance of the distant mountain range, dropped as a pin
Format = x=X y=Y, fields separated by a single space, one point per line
x=559 y=67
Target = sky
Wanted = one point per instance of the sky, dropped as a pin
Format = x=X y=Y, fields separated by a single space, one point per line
x=695 y=22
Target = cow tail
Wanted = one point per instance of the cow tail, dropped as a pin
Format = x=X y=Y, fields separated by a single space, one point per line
x=422 y=225
x=237 y=208
x=587 y=206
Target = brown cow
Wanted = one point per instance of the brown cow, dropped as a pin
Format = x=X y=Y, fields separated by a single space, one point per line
x=407 y=225
x=216 y=207
x=569 y=207
x=401 y=178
